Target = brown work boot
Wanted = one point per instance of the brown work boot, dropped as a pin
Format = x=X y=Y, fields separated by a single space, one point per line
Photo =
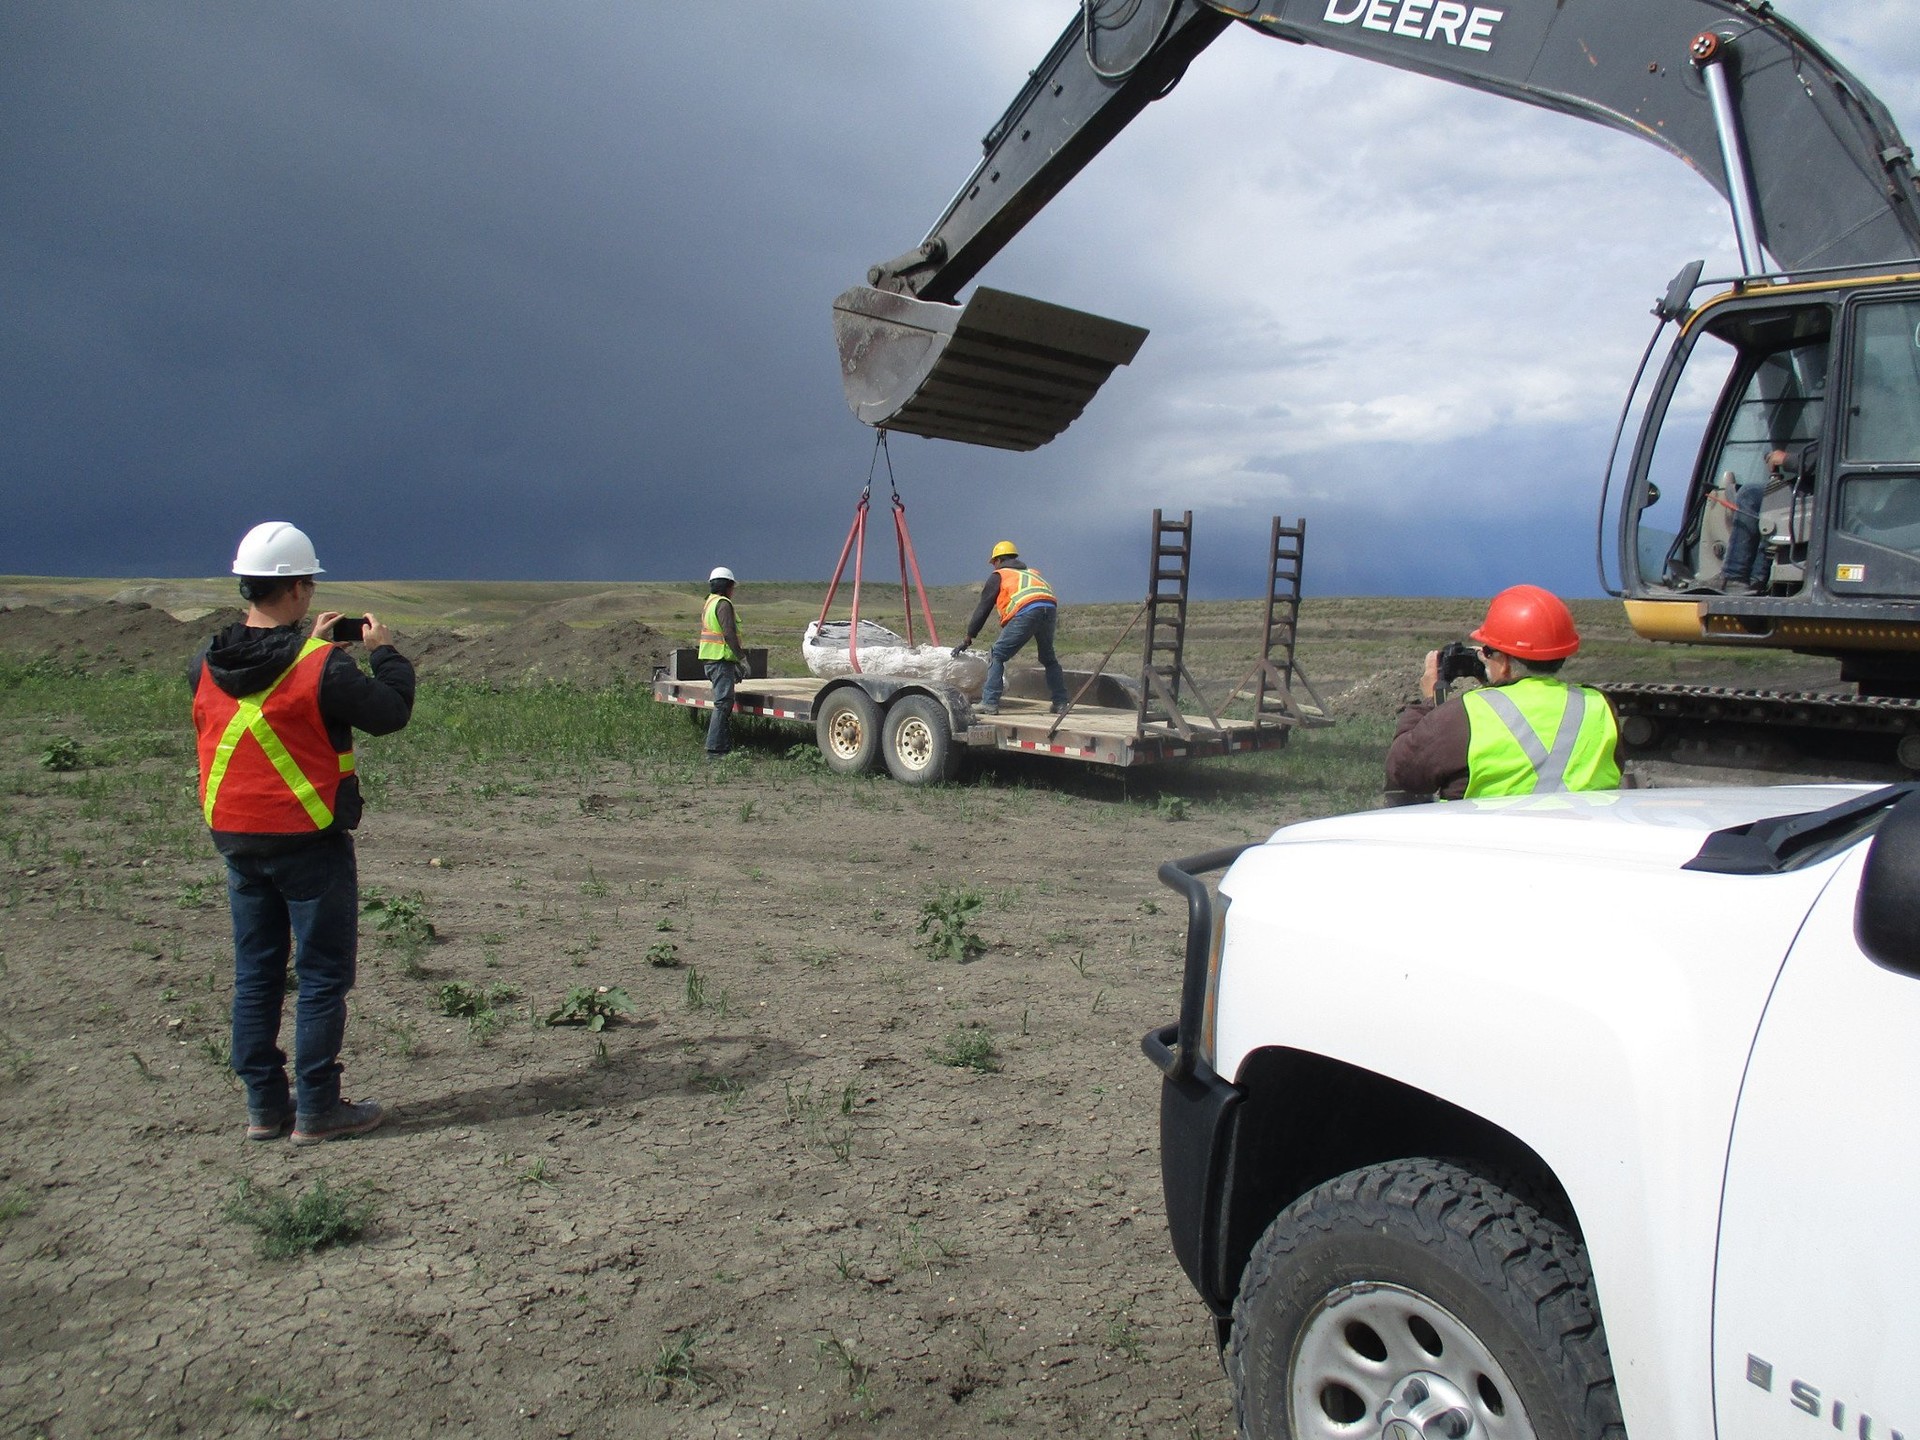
x=344 y=1119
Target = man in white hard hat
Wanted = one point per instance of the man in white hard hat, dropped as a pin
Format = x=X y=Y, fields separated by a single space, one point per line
x=275 y=707
x=723 y=657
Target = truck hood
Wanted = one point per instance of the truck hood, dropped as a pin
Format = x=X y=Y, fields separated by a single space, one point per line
x=1636 y=828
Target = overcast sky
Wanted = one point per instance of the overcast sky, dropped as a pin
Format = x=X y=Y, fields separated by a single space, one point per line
x=498 y=290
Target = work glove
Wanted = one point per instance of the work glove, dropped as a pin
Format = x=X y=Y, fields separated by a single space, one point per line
x=962 y=648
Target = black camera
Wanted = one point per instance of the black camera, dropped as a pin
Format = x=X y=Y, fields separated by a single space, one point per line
x=348 y=629
x=1460 y=661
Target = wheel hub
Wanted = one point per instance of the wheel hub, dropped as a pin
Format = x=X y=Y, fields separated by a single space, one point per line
x=845 y=734
x=1427 y=1407
x=1389 y=1363
x=914 y=743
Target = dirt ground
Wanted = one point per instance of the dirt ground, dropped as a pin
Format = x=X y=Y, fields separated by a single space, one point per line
x=764 y=1206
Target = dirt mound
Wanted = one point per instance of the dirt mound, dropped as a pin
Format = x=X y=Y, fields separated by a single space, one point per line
x=102 y=637
x=603 y=606
x=1377 y=696
x=121 y=635
x=541 y=650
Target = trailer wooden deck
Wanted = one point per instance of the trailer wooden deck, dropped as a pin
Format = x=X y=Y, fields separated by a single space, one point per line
x=1097 y=735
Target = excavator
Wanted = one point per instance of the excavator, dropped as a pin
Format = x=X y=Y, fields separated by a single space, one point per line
x=1785 y=516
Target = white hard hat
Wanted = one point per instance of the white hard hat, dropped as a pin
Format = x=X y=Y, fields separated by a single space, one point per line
x=274 y=547
x=720 y=572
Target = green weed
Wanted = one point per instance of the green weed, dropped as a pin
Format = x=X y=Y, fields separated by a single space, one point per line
x=402 y=925
x=702 y=996
x=677 y=1367
x=277 y=1401
x=477 y=1003
x=196 y=894
x=594 y=1006
x=62 y=754
x=317 y=1219
x=946 y=925
x=663 y=954
x=1171 y=807
x=968 y=1047
x=14 y=1204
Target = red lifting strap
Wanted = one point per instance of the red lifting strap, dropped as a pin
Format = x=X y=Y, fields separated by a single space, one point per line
x=856 y=545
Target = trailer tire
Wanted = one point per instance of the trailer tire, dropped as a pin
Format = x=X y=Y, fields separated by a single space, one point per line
x=847 y=728
x=917 y=741
x=1418 y=1282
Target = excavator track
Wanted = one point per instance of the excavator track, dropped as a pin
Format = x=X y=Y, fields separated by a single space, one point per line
x=1799 y=733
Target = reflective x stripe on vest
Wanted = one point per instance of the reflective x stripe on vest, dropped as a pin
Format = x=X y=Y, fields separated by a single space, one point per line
x=713 y=640
x=250 y=718
x=1506 y=754
x=1028 y=588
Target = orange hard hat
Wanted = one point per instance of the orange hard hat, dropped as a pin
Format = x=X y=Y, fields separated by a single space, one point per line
x=1529 y=623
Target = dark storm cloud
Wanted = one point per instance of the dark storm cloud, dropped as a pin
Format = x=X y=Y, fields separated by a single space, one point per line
x=480 y=290
x=501 y=291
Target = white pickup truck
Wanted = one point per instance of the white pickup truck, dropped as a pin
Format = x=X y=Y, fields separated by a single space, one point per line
x=1558 y=1116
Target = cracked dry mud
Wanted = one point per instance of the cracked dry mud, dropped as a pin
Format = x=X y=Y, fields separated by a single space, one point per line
x=778 y=1214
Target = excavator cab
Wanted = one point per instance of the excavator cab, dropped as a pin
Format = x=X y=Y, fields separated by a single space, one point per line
x=1774 y=494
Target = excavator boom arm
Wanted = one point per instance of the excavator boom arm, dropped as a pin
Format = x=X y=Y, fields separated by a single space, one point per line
x=1811 y=161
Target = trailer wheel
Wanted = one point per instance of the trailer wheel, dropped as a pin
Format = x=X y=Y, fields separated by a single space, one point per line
x=847 y=728
x=917 y=741
x=1422 y=1292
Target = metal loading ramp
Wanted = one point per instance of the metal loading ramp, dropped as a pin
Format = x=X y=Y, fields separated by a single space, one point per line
x=1003 y=370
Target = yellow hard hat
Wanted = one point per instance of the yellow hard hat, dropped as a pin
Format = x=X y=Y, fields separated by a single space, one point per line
x=1004 y=549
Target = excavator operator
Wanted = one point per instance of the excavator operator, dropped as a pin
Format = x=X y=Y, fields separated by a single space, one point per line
x=1526 y=732
x=1028 y=610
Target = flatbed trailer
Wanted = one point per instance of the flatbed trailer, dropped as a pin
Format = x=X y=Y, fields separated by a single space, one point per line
x=919 y=730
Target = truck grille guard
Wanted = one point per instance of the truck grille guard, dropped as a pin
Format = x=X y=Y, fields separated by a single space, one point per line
x=1175 y=1048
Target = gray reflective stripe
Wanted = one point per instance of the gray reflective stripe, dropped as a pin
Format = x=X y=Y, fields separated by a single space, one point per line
x=1549 y=766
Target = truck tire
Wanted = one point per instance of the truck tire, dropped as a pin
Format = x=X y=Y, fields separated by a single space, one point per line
x=847 y=728
x=1418 y=1286
x=918 y=742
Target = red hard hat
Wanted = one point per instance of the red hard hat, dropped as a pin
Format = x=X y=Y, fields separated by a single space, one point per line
x=1529 y=623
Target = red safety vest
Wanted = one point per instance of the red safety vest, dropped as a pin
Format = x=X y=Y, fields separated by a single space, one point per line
x=267 y=766
x=1019 y=589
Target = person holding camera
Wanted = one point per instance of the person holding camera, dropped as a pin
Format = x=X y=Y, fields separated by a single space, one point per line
x=275 y=708
x=1525 y=731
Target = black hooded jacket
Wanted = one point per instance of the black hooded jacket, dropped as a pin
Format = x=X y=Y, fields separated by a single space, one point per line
x=243 y=660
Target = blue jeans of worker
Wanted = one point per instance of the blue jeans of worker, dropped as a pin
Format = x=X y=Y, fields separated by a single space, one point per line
x=724 y=675
x=1746 y=557
x=1034 y=623
x=304 y=903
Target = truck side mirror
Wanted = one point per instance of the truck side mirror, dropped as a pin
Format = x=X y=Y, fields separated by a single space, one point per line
x=1886 y=916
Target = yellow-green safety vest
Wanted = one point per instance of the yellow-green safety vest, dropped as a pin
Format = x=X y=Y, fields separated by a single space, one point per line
x=713 y=640
x=1539 y=736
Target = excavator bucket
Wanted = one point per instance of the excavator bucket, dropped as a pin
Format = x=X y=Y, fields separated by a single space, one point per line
x=1002 y=370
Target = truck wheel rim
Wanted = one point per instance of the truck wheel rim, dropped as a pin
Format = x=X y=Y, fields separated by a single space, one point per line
x=846 y=735
x=1381 y=1361
x=913 y=743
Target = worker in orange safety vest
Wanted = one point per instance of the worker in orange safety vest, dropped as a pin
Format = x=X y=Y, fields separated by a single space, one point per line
x=1028 y=610
x=275 y=708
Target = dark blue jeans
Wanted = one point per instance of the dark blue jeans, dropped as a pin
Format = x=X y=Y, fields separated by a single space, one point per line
x=1747 y=558
x=1034 y=623
x=723 y=674
x=305 y=903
